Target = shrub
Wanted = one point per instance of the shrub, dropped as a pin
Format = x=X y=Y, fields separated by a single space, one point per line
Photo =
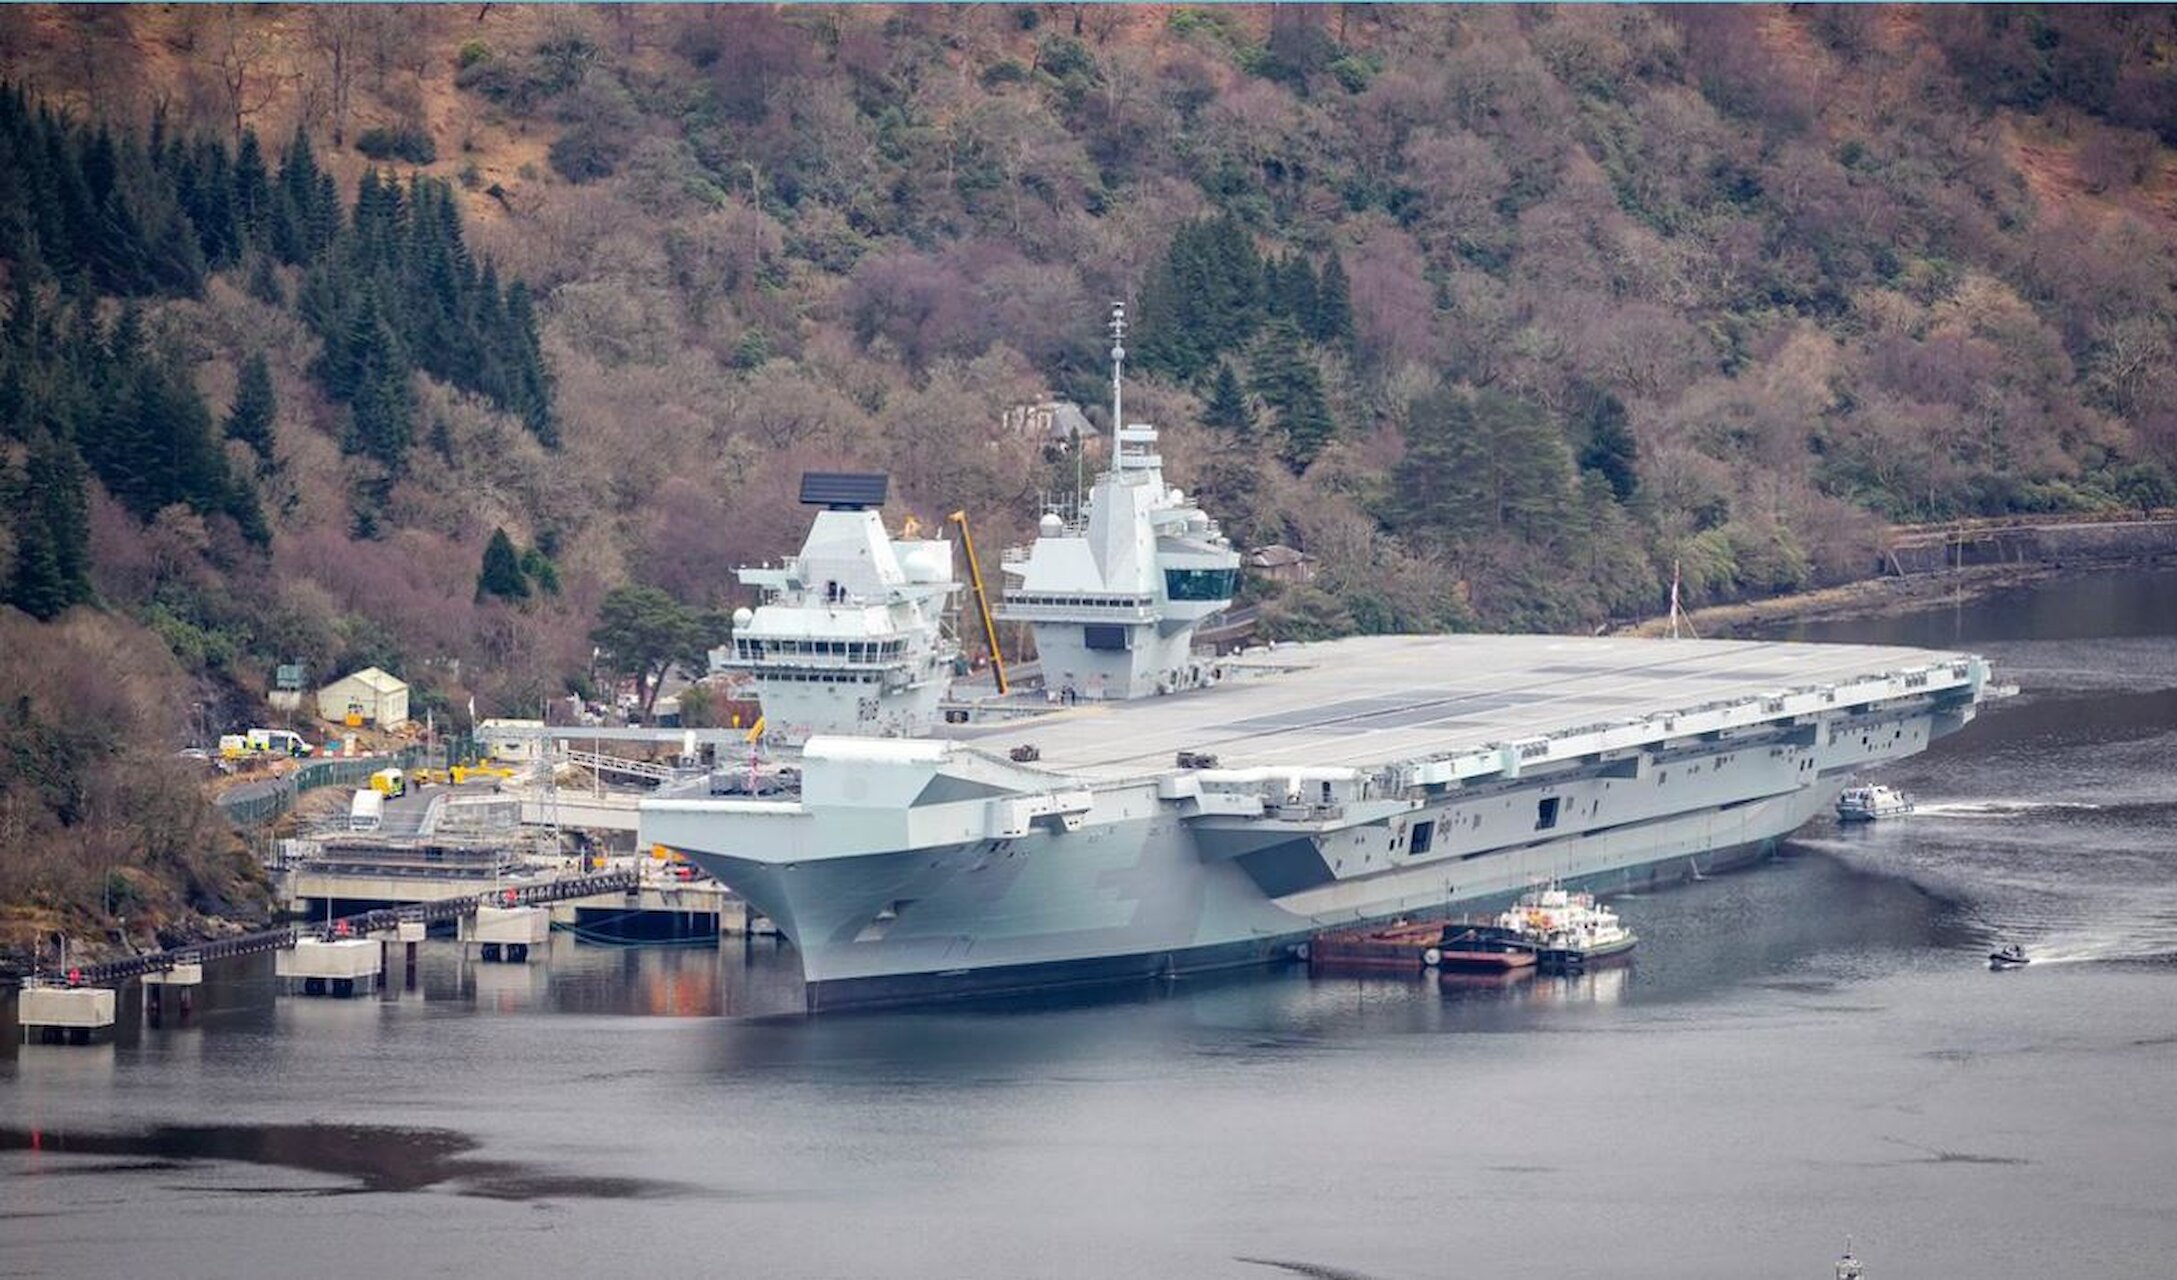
x=1005 y=72
x=405 y=142
x=473 y=52
x=583 y=154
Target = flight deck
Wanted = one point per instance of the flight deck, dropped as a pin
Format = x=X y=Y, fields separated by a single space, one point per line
x=1366 y=701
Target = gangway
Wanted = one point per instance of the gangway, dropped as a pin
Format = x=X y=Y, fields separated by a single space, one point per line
x=599 y=762
x=363 y=924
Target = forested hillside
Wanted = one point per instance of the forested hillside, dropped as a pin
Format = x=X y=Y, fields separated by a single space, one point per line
x=1498 y=313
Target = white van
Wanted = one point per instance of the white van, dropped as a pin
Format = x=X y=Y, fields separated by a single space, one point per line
x=366 y=811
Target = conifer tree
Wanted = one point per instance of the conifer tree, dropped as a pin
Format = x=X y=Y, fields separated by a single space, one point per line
x=248 y=513
x=501 y=575
x=539 y=569
x=252 y=192
x=255 y=408
x=1228 y=409
x=1288 y=381
x=1433 y=481
x=52 y=531
x=382 y=416
x=1333 y=317
x=1611 y=448
x=1293 y=291
x=1205 y=298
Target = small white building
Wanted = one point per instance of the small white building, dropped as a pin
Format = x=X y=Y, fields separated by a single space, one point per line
x=370 y=695
x=503 y=740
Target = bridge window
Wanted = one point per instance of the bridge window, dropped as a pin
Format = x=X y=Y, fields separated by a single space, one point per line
x=1199 y=584
x=1546 y=814
x=1105 y=636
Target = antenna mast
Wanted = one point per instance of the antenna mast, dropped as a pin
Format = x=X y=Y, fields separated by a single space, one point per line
x=1118 y=361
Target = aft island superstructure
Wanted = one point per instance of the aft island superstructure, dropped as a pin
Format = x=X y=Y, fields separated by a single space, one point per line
x=1155 y=811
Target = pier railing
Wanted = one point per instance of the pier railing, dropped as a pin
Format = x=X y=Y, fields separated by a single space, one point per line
x=362 y=924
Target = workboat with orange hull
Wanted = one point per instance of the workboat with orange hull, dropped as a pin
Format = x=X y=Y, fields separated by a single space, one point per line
x=1157 y=810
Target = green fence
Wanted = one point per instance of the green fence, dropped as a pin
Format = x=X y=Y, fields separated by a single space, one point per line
x=257 y=804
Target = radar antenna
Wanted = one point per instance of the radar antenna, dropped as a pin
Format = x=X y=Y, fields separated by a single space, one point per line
x=1118 y=362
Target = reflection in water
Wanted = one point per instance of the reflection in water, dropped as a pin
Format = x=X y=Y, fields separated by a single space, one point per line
x=370 y=1158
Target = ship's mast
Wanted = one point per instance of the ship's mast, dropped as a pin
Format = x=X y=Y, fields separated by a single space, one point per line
x=1118 y=361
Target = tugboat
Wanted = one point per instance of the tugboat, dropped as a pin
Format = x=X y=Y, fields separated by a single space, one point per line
x=2008 y=957
x=1566 y=930
x=1865 y=804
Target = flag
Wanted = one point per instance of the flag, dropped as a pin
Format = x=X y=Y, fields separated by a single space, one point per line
x=472 y=709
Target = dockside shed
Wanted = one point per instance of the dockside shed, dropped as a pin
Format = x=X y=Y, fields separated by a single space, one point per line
x=371 y=696
x=513 y=747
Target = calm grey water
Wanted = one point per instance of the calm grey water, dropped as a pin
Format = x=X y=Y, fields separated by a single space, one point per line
x=1800 y=1051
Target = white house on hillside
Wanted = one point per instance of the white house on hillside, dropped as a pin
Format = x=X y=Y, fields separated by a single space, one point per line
x=369 y=696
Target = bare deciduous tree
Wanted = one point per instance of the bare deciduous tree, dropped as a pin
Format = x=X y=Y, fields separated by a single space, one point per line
x=337 y=34
x=241 y=57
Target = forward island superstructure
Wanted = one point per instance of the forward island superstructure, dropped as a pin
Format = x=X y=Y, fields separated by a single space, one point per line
x=850 y=637
x=1179 y=813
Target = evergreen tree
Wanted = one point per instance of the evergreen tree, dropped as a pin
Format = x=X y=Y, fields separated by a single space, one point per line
x=1203 y=299
x=264 y=281
x=1611 y=448
x=531 y=393
x=501 y=575
x=1528 y=470
x=1292 y=293
x=1435 y=483
x=255 y=408
x=1231 y=300
x=247 y=512
x=207 y=189
x=297 y=178
x=252 y=192
x=539 y=569
x=643 y=632
x=382 y=416
x=1288 y=381
x=1333 y=318
x=1228 y=409
x=52 y=531
x=1160 y=340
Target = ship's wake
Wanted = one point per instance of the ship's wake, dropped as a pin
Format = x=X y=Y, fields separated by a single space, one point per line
x=1998 y=808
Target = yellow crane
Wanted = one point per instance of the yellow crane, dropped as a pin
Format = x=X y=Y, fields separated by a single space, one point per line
x=982 y=599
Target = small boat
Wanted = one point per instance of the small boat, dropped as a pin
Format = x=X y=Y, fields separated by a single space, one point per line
x=1848 y=1267
x=1566 y=930
x=2009 y=957
x=1865 y=804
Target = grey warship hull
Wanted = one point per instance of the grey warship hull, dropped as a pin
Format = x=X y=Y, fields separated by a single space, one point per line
x=1324 y=786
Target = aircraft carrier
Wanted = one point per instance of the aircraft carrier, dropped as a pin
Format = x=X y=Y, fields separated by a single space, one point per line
x=1156 y=811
